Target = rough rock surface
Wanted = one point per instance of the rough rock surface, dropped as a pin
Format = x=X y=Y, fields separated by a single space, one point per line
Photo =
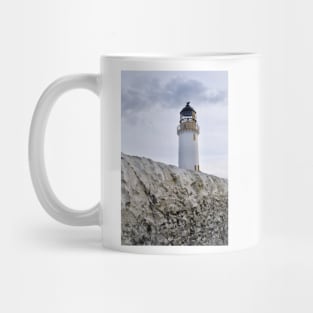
x=165 y=205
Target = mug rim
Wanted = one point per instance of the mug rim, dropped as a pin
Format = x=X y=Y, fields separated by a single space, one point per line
x=183 y=56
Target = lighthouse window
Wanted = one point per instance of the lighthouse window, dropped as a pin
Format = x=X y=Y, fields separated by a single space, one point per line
x=194 y=136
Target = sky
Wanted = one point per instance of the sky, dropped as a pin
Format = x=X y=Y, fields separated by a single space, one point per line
x=151 y=102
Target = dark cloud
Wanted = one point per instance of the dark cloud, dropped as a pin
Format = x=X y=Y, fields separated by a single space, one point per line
x=140 y=91
x=179 y=90
x=143 y=89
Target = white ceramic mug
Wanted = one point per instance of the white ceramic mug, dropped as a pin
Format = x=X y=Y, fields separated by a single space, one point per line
x=179 y=152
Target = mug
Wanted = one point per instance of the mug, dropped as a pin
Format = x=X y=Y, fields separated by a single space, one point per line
x=179 y=151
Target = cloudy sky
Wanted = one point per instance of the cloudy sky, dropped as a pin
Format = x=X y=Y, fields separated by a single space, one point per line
x=151 y=102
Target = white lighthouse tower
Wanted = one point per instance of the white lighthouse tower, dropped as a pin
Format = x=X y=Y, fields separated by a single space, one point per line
x=188 y=132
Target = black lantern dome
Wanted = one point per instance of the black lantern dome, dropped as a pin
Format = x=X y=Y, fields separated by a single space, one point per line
x=187 y=110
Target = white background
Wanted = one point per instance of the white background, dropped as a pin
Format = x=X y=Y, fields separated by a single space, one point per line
x=49 y=267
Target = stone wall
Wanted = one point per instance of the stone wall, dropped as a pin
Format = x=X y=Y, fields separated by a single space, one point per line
x=165 y=205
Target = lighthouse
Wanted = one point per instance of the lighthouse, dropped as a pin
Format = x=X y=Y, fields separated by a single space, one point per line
x=188 y=132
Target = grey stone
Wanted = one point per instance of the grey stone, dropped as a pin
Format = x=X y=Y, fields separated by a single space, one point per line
x=166 y=205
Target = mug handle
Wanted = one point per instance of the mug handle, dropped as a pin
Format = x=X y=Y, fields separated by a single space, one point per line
x=45 y=194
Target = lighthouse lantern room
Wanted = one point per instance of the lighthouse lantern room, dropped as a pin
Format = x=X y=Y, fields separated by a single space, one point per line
x=188 y=132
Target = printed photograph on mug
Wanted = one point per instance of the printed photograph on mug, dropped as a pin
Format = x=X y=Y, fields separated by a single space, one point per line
x=174 y=175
